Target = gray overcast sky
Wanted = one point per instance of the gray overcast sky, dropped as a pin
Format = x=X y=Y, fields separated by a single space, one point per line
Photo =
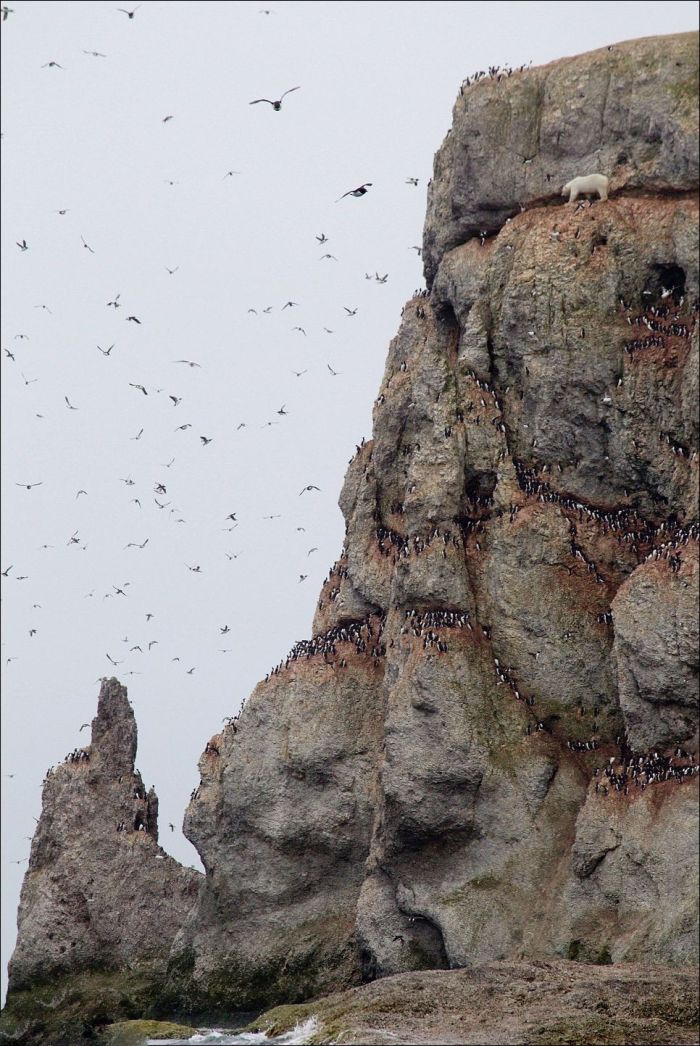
x=378 y=81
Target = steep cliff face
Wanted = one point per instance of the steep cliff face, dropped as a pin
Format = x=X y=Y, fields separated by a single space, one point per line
x=489 y=748
x=99 y=892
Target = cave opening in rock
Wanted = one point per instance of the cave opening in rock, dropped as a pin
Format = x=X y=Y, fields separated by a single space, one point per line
x=665 y=281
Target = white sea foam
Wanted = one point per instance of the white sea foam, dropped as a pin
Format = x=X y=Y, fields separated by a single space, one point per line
x=299 y=1035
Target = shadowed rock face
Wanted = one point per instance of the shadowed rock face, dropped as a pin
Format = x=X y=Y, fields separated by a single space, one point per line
x=522 y=538
x=95 y=897
x=438 y=778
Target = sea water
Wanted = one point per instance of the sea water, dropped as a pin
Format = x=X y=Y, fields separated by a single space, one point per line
x=215 y=1037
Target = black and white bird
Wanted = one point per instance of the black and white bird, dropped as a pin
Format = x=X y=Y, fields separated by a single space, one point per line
x=309 y=487
x=23 y=246
x=359 y=191
x=129 y=14
x=105 y=352
x=27 y=486
x=276 y=105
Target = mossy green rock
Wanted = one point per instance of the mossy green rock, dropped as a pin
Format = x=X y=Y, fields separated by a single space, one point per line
x=137 y=1033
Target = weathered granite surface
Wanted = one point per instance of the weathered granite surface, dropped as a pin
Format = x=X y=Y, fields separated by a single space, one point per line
x=417 y=790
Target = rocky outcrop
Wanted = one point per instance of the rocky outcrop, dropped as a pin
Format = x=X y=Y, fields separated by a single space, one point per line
x=539 y=1003
x=460 y=767
x=489 y=748
x=628 y=111
x=99 y=892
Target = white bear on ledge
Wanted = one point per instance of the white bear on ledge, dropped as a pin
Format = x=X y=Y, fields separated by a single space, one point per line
x=588 y=184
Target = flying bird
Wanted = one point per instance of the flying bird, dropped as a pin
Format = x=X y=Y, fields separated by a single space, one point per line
x=83 y=726
x=329 y=257
x=28 y=486
x=335 y=373
x=166 y=118
x=112 y=661
x=105 y=352
x=172 y=271
x=10 y=355
x=79 y=493
x=116 y=304
x=322 y=238
x=411 y=181
x=205 y=440
x=28 y=381
x=51 y=65
x=133 y=319
x=359 y=191
x=289 y=305
x=175 y=399
x=139 y=387
x=278 y=104
x=94 y=54
x=350 y=312
x=188 y=362
x=310 y=487
x=69 y=404
x=138 y=435
x=129 y=14
x=87 y=245
x=23 y=246
x=7 y=11
x=299 y=373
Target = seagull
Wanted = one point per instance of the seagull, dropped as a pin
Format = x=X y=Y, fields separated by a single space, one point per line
x=310 y=487
x=129 y=14
x=112 y=661
x=134 y=544
x=359 y=191
x=6 y=573
x=172 y=271
x=166 y=118
x=83 y=726
x=419 y=250
x=51 y=65
x=330 y=257
x=232 y=517
x=44 y=307
x=314 y=549
x=190 y=671
x=299 y=329
x=69 y=404
x=188 y=362
x=381 y=279
x=350 y=312
x=10 y=355
x=7 y=11
x=23 y=246
x=322 y=238
x=241 y=426
x=289 y=305
x=302 y=577
x=139 y=387
x=28 y=381
x=181 y=428
x=205 y=440
x=94 y=54
x=411 y=181
x=133 y=319
x=298 y=373
x=282 y=410
x=79 y=493
x=115 y=303
x=87 y=245
x=224 y=630
x=152 y=642
x=335 y=373
x=175 y=399
x=229 y=174
x=275 y=105
x=28 y=486
x=105 y=352
x=138 y=435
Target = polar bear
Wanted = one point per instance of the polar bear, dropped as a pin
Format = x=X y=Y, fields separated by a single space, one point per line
x=588 y=184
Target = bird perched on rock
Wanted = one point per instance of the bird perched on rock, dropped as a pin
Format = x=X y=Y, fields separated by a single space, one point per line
x=359 y=191
x=277 y=105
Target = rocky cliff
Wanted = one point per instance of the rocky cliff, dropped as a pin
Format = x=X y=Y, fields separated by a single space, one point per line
x=488 y=750
x=100 y=894
x=461 y=765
